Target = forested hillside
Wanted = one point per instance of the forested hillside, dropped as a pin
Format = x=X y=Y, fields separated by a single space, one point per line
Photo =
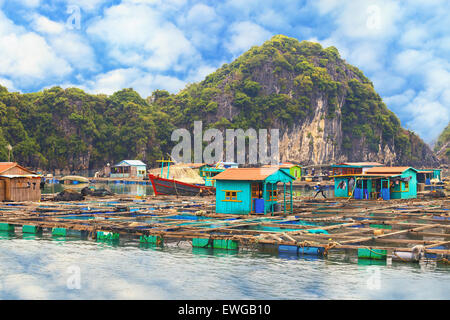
x=327 y=112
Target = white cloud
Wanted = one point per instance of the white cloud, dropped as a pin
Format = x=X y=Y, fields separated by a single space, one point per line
x=8 y=84
x=26 y=56
x=143 y=82
x=127 y=29
x=44 y=25
x=29 y=3
x=245 y=35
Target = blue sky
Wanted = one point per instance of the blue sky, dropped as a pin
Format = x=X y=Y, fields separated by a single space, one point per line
x=103 y=46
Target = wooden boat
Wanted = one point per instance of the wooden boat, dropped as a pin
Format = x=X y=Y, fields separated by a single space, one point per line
x=163 y=186
x=74 y=182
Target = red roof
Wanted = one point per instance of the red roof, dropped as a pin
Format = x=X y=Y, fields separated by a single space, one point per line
x=253 y=174
x=5 y=166
x=360 y=164
x=387 y=170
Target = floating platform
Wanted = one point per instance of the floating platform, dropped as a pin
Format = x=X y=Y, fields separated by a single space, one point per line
x=404 y=230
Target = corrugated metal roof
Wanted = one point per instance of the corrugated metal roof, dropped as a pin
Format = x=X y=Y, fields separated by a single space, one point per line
x=247 y=174
x=11 y=176
x=390 y=170
x=124 y=163
x=360 y=164
x=4 y=166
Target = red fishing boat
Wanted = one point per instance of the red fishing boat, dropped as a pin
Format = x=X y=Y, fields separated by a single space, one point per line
x=163 y=186
x=166 y=186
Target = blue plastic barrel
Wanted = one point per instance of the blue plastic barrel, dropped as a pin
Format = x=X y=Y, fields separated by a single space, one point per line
x=358 y=193
x=259 y=205
x=385 y=194
x=316 y=251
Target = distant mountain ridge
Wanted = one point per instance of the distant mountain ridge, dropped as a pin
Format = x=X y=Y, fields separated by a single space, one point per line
x=327 y=112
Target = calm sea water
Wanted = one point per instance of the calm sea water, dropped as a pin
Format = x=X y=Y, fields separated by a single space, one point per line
x=42 y=267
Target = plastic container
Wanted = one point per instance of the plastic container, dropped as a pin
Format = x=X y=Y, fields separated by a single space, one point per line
x=287 y=249
x=376 y=254
x=314 y=251
x=259 y=205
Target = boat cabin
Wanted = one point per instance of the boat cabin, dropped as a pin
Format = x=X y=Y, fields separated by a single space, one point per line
x=252 y=190
x=18 y=183
x=129 y=169
x=378 y=183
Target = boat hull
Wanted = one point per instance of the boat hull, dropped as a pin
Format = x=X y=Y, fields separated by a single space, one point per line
x=163 y=186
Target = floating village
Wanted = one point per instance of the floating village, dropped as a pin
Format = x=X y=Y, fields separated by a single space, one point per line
x=378 y=213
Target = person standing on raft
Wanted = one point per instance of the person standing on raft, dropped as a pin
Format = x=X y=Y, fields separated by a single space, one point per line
x=319 y=189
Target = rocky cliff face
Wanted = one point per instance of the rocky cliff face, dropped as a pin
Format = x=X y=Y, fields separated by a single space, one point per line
x=442 y=147
x=327 y=110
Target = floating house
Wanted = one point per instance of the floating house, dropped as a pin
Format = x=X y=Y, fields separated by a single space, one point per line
x=252 y=190
x=378 y=183
x=129 y=169
x=353 y=167
x=209 y=172
x=427 y=176
x=18 y=183
x=227 y=165
x=293 y=169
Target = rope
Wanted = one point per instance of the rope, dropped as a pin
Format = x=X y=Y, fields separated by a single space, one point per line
x=329 y=246
x=395 y=254
x=374 y=251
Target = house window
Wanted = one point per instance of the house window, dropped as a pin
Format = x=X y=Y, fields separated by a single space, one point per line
x=231 y=195
x=407 y=186
x=273 y=195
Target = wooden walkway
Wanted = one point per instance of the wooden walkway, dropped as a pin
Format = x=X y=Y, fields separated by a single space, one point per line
x=406 y=230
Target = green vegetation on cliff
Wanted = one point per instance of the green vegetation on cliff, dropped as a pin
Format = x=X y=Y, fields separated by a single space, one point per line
x=59 y=128
x=278 y=84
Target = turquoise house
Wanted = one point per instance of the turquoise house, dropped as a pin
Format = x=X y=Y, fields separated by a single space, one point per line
x=378 y=183
x=208 y=173
x=129 y=169
x=252 y=190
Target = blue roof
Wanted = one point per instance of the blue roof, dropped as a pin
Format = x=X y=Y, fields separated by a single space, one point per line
x=125 y=163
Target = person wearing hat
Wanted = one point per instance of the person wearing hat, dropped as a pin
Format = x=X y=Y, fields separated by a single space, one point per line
x=319 y=190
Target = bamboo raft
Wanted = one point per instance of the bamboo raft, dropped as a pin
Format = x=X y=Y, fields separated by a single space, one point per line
x=404 y=230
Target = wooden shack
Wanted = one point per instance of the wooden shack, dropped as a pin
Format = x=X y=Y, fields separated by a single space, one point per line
x=129 y=169
x=252 y=190
x=18 y=183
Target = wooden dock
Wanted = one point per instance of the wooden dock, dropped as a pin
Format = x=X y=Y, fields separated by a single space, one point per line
x=404 y=230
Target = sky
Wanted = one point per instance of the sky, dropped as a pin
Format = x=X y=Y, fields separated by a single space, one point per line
x=104 y=46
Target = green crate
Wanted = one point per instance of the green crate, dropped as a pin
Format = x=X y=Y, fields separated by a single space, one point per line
x=31 y=229
x=376 y=254
x=200 y=242
x=225 y=244
x=101 y=235
x=6 y=227
x=59 y=232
